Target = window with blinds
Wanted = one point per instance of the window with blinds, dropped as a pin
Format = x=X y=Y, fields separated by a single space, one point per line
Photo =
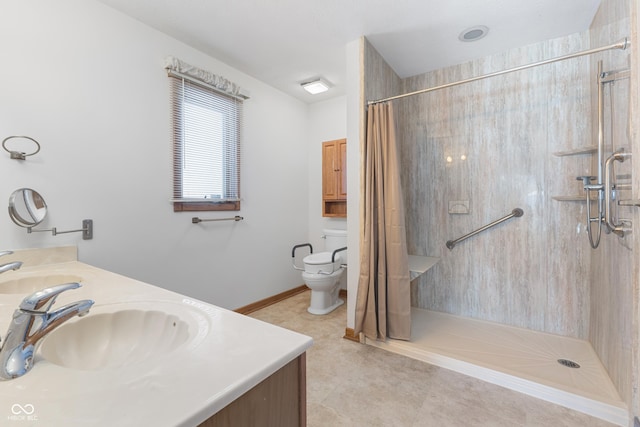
x=206 y=147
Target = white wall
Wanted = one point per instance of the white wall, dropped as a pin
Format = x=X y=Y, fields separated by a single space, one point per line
x=355 y=108
x=89 y=84
x=327 y=122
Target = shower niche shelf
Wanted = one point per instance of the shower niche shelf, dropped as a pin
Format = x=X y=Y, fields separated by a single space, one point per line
x=420 y=264
x=576 y=151
x=577 y=198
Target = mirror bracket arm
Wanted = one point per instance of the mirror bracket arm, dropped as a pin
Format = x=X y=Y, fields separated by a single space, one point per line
x=31 y=230
x=87 y=230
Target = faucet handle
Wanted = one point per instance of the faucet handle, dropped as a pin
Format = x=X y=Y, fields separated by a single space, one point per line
x=42 y=301
x=2 y=253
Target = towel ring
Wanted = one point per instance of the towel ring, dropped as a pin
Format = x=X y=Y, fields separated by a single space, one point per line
x=17 y=154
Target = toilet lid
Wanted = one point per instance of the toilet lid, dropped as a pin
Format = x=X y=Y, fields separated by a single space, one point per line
x=320 y=258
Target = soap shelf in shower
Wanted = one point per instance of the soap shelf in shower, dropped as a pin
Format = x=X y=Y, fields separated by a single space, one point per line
x=634 y=202
x=576 y=151
x=577 y=198
x=418 y=265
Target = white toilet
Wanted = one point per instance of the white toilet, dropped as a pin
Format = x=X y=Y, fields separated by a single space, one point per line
x=323 y=276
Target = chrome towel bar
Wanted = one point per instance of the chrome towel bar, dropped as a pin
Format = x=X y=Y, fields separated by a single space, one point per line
x=517 y=212
x=196 y=220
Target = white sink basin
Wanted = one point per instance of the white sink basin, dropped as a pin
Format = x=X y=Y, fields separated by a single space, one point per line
x=30 y=284
x=113 y=336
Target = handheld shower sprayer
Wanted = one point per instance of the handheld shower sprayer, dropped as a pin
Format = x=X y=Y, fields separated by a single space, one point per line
x=588 y=187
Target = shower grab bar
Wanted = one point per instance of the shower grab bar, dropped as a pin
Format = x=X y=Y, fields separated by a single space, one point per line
x=517 y=212
x=618 y=229
x=196 y=220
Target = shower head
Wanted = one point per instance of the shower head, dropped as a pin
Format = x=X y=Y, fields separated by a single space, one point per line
x=517 y=212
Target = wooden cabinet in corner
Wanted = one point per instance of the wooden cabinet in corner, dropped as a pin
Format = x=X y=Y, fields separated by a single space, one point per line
x=334 y=178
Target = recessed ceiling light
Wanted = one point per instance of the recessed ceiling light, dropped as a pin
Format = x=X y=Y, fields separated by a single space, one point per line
x=474 y=33
x=316 y=86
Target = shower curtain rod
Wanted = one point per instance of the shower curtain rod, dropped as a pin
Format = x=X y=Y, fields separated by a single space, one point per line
x=623 y=44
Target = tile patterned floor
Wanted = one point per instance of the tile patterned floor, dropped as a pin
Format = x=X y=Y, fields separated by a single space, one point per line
x=350 y=384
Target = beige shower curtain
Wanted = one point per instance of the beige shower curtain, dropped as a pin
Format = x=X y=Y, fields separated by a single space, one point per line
x=383 y=305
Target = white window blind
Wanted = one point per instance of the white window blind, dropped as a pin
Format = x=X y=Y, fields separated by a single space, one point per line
x=207 y=127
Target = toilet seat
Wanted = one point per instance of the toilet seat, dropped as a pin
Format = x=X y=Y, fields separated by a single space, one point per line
x=320 y=263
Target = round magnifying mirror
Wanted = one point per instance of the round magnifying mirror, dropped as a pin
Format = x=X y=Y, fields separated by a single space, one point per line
x=27 y=208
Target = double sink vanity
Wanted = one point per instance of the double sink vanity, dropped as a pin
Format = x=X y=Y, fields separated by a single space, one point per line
x=145 y=356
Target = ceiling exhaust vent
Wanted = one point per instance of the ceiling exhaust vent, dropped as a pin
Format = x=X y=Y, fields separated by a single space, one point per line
x=474 y=33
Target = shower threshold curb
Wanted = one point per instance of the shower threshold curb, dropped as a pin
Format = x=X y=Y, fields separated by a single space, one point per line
x=613 y=413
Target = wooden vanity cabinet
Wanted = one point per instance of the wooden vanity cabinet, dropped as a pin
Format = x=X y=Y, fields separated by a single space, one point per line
x=334 y=178
x=280 y=400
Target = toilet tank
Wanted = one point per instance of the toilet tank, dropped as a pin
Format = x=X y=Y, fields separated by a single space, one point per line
x=335 y=239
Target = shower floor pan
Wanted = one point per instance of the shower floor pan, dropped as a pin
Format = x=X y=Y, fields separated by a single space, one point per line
x=515 y=358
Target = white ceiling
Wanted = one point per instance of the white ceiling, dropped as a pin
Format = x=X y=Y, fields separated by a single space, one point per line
x=286 y=42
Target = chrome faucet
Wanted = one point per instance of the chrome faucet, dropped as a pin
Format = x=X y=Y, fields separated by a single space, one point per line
x=30 y=323
x=11 y=265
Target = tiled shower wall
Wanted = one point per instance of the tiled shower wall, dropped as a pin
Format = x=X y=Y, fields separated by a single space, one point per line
x=490 y=145
x=611 y=330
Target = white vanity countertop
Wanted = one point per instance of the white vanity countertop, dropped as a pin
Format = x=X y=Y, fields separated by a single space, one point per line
x=231 y=354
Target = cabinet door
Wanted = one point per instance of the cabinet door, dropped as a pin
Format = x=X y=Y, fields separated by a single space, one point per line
x=334 y=178
x=342 y=173
x=279 y=400
x=330 y=164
